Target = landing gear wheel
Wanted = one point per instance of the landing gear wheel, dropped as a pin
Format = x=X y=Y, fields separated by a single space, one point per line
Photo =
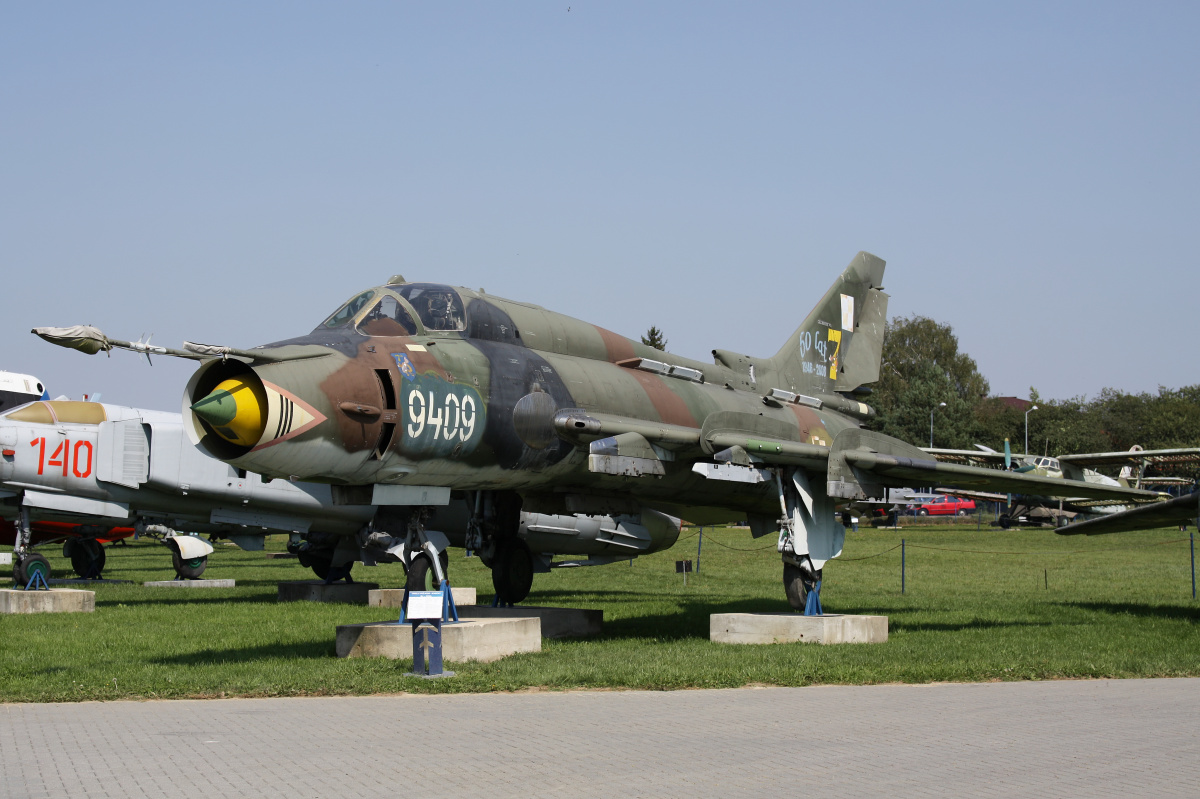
x=421 y=576
x=87 y=557
x=188 y=568
x=320 y=562
x=796 y=584
x=512 y=573
x=1005 y=521
x=29 y=565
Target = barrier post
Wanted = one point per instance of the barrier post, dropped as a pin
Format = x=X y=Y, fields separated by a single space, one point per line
x=902 y=565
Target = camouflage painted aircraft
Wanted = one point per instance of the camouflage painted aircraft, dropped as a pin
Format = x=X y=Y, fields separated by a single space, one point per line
x=555 y=433
x=1056 y=510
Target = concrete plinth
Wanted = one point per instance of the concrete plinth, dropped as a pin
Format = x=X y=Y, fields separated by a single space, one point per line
x=484 y=640
x=56 y=600
x=782 y=628
x=190 y=583
x=392 y=597
x=318 y=591
x=556 y=622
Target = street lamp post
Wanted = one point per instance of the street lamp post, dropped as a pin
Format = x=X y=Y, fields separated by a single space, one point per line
x=1031 y=410
x=931 y=410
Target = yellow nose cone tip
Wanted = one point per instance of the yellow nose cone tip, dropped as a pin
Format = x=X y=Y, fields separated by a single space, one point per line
x=236 y=410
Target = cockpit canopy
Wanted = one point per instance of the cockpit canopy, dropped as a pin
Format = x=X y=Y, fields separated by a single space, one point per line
x=439 y=307
x=390 y=311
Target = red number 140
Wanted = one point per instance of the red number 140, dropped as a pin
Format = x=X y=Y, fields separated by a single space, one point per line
x=65 y=457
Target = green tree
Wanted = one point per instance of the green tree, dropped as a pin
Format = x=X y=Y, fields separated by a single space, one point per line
x=655 y=338
x=920 y=369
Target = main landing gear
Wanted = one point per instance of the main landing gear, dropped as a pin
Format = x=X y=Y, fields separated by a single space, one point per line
x=809 y=535
x=87 y=557
x=798 y=582
x=492 y=534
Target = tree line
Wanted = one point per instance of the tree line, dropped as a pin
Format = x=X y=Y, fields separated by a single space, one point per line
x=922 y=367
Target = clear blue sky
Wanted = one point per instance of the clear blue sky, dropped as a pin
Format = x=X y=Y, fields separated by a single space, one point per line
x=230 y=172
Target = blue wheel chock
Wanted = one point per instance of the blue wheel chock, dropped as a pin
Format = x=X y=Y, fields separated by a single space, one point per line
x=37 y=583
x=812 y=606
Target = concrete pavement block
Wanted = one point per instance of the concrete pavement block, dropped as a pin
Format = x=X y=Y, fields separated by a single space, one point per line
x=483 y=640
x=392 y=597
x=556 y=622
x=782 y=628
x=318 y=591
x=56 y=600
x=190 y=584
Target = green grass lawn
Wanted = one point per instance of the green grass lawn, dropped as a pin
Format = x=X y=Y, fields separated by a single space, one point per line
x=979 y=605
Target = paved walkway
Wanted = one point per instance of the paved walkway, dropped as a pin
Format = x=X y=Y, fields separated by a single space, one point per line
x=1120 y=738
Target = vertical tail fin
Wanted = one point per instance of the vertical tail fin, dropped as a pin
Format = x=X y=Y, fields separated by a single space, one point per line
x=840 y=344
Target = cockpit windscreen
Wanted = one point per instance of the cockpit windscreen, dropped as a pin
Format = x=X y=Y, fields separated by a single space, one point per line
x=342 y=316
x=387 y=318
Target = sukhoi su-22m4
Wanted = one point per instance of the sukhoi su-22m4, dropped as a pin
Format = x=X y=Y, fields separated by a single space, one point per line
x=523 y=434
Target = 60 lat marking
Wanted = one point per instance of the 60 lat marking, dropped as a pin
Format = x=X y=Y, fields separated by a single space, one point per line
x=447 y=420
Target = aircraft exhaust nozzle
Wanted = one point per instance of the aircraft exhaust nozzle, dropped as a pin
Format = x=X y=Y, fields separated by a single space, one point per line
x=235 y=410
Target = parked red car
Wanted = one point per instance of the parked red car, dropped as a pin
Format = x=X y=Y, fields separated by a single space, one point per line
x=947 y=506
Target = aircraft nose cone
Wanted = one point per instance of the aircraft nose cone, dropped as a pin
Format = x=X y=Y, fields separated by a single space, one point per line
x=236 y=410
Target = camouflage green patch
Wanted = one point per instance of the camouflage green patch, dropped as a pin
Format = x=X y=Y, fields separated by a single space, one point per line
x=441 y=419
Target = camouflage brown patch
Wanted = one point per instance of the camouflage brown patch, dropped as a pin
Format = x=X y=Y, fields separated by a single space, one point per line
x=356 y=382
x=618 y=348
x=670 y=406
x=812 y=429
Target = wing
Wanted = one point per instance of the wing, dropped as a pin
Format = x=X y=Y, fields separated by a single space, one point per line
x=897 y=470
x=1152 y=457
x=860 y=465
x=1163 y=514
x=967 y=456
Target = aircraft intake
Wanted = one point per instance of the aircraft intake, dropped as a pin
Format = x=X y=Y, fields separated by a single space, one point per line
x=229 y=410
x=235 y=410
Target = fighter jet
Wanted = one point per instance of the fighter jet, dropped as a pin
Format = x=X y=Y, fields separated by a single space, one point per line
x=557 y=433
x=88 y=472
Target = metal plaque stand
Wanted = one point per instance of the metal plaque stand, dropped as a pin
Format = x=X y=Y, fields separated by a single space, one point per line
x=425 y=612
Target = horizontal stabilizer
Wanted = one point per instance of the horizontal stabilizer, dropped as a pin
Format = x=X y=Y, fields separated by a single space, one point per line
x=1162 y=514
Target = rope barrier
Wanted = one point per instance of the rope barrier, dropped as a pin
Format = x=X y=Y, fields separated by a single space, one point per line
x=712 y=539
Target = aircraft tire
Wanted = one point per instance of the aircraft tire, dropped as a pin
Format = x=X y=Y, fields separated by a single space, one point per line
x=796 y=586
x=189 y=568
x=512 y=573
x=28 y=565
x=1005 y=521
x=421 y=575
x=87 y=557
